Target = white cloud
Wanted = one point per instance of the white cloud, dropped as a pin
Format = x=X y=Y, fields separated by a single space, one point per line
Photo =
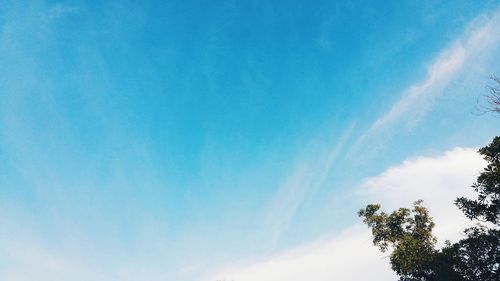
x=350 y=255
x=436 y=180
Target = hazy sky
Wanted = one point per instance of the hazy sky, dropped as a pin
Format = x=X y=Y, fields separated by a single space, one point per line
x=208 y=140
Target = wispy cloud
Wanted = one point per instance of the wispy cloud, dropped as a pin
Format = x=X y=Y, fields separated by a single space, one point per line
x=480 y=38
x=437 y=180
x=417 y=99
x=307 y=176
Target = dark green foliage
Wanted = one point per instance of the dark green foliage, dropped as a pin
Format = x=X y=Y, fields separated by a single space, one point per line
x=487 y=206
x=477 y=257
x=408 y=233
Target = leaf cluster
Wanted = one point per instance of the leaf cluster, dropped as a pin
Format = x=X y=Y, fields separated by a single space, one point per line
x=486 y=207
x=389 y=230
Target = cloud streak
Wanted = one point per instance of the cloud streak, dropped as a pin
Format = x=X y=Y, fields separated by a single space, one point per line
x=307 y=176
x=479 y=40
x=417 y=99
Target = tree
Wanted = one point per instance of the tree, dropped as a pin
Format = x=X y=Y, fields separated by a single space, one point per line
x=409 y=233
x=478 y=255
x=486 y=207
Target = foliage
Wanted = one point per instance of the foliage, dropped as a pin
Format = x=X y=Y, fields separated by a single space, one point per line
x=486 y=207
x=477 y=257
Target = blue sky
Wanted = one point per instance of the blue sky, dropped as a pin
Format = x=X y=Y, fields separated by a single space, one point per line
x=164 y=140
